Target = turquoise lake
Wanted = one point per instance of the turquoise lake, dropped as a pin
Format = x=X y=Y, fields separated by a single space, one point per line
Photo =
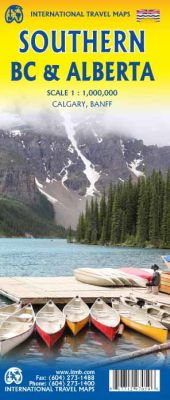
x=46 y=257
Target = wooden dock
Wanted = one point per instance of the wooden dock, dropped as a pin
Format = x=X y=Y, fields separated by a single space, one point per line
x=38 y=290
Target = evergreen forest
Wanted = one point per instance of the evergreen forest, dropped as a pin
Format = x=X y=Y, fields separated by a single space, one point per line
x=130 y=214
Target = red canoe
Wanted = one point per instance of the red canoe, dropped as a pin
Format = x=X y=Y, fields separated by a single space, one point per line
x=50 y=323
x=141 y=272
x=104 y=318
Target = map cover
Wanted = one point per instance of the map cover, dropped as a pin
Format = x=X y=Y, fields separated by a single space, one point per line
x=84 y=199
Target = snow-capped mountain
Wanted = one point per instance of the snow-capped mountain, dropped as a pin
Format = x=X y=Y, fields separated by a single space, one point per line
x=71 y=162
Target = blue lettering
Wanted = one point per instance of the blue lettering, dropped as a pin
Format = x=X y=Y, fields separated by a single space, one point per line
x=134 y=65
x=62 y=47
x=88 y=41
x=98 y=71
x=24 y=41
x=121 y=69
x=140 y=43
x=74 y=35
x=73 y=72
x=120 y=37
x=44 y=37
x=147 y=72
x=104 y=41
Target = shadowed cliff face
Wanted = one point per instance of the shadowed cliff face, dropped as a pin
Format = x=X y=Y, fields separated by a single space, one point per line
x=71 y=163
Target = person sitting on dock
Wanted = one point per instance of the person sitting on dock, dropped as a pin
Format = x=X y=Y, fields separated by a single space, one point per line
x=153 y=285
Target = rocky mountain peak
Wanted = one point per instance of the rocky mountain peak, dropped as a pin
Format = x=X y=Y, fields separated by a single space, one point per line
x=70 y=161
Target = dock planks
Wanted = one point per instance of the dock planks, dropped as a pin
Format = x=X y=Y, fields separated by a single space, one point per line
x=165 y=283
x=38 y=290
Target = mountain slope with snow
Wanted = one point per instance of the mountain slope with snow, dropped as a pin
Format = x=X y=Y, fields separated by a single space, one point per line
x=71 y=162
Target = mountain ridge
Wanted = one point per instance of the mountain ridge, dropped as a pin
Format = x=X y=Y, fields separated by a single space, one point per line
x=71 y=162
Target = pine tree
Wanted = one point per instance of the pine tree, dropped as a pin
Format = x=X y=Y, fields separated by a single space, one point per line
x=69 y=235
x=161 y=190
x=102 y=212
x=108 y=221
x=88 y=224
x=104 y=233
x=130 y=207
x=116 y=219
x=95 y=224
x=123 y=227
x=86 y=220
x=154 y=228
x=142 y=215
x=80 y=233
